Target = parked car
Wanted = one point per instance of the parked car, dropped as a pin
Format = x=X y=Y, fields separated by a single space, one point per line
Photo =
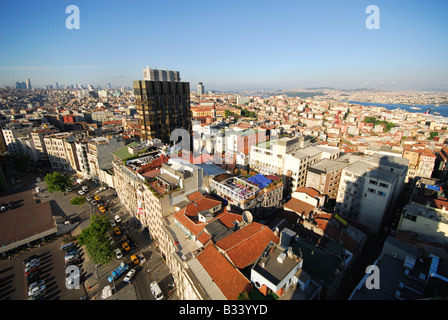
x=141 y=257
x=134 y=259
x=30 y=258
x=126 y=246
x=32 y=278
x=89 y=198
x=129 y=275
x=31 y=265
x=117 y=231
x=75 y=252
x=93 y=202
x=32 y=271
x=118 y=254
x=36 y=289
x=155 y=289
x=71 y=258
x=117 y=218
x=36 y=284
x=112 y=223
x=37 y=295
x=81 y=192
x=74 y=262
x=68 y=246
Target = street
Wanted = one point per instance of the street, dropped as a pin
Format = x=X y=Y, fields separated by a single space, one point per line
x=12 y=279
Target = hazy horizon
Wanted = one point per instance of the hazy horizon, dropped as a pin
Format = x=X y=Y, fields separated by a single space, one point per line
x=231 y=45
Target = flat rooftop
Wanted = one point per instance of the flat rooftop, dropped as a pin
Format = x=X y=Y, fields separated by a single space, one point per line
x=271 y=269
x=26 y=220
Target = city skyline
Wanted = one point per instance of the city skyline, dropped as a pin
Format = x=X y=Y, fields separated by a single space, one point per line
x=227 y=45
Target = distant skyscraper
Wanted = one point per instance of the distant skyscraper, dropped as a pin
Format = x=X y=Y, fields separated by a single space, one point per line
x=28 y=84
x=57 y=85
x=162 y=105
x=20 y=85
x=109 y=86
x=200 y=88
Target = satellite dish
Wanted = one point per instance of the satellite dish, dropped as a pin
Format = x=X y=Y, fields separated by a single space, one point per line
x=247 y=217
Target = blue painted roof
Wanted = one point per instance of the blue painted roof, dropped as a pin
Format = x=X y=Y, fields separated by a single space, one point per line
x=260 y=180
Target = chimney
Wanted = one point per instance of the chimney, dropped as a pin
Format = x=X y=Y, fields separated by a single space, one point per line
x=290 y=252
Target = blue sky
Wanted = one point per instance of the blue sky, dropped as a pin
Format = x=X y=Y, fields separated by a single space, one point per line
x=228 y=44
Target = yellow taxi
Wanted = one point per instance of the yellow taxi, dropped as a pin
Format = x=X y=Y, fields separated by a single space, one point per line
x=126 y=246
x=102 y=209
x=134 y=259
x=117 y=231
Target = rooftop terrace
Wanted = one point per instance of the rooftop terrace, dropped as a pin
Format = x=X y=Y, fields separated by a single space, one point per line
x=236 y=188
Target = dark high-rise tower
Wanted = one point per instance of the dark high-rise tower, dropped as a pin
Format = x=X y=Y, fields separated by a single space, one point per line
x=162 y=106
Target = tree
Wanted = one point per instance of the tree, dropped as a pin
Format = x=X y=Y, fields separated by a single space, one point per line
x=228 y=113
x=57 y=181
x=78 y=201
x=432 y=135
x=375 y=121
x=96 y=240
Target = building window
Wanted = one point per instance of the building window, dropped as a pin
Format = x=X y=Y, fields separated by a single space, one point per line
x=384 y=185
x=381 y=193
x=373 y=182
x=371 y=190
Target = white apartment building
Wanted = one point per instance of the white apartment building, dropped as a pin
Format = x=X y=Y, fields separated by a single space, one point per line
x=38 y=141
x=428 y=222
x=296 y=164
x=152 y=201
x=369 y=188
x=61 y=151
x=289 y=157
x=99 y=156
x=268 y=157
x=12 y=141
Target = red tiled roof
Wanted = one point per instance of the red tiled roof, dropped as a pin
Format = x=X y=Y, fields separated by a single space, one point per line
x=309 y=191
x=229 y=279
x=229 y=218
x=199 y=204
x=299 y=207
x=246 y=245
x=273 y=178
x=437 y=203
x=187 y=216
x=194 y=196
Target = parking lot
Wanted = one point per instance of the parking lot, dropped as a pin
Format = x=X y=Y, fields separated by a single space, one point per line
x=13 y=284
x=12 y=279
